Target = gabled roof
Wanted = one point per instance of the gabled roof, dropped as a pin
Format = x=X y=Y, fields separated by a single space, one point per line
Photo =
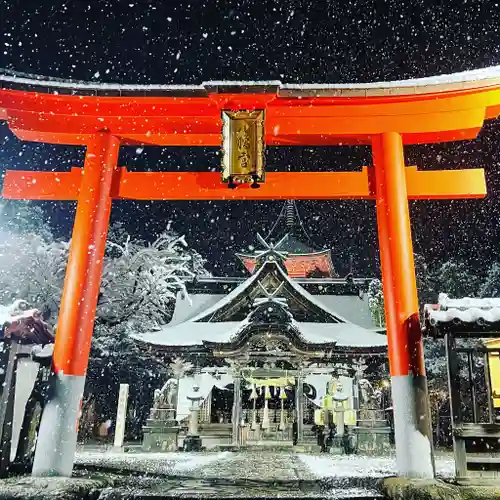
x=216 y=324
x=189 y=334
x=238 y=297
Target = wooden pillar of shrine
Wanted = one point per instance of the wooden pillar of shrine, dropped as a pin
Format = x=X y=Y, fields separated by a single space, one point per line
x=409 y=383
x=236 y=413
x=299 y=405
x=57 y=436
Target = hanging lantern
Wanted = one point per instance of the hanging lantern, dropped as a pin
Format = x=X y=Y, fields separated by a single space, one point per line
x=243 y=147
x=267 y=393
x=283 y=393
x=254 y=414
x=282 y=425
x=253 y=394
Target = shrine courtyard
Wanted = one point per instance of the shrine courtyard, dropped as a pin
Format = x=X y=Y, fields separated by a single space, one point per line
x=101 y=472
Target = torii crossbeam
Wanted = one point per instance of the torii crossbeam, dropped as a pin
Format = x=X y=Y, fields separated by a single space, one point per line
x=384 y=116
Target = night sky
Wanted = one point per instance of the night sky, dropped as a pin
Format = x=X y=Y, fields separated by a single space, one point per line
x=140 y=41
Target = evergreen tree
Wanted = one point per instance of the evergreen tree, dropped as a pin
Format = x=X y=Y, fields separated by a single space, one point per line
x=491 y=285
x=456 y=279
x=24 y=217
x=376 y=302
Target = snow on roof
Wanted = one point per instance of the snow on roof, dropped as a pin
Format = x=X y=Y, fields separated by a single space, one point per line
x=464 y=310
x=188 y=306
x=246 y=284
x=344 y=334
x=445 y=302
x=193 y=331
x=352 y=307
x=13 y=313
x=472 y=315
x=309 y=297
x=190 y=334
x=461 y=77
x=79 y=85
x=229 y=297
x=465 y=78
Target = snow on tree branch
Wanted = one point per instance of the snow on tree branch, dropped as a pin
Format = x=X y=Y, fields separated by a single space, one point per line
x=376 y=302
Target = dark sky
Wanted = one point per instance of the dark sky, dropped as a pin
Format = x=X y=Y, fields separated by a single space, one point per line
x=140 y=41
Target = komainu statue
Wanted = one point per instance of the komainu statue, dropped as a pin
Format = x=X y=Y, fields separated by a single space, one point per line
x=370 y=398
x=166 y=397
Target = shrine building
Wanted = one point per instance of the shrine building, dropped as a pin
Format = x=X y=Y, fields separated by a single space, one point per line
x=267 y=349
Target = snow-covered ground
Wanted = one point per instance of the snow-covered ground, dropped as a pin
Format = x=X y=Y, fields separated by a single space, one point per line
x=351 y=466
x=152 y=463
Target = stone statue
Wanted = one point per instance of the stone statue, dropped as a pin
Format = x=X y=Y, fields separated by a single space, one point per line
x=171 y=392
x=371 y=398
x=339 y=394
x=166 y=396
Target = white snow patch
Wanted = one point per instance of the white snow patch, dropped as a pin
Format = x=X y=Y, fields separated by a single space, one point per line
x=467 y=310
x=420 y=447
x=335 y=466
x=461 y=77
x=161 y=463
x=188 y=333
x=482 y=74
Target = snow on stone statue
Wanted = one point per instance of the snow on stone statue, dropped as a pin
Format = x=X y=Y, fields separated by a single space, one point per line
x=371 y=398
x=167 y=395
x=24 y=324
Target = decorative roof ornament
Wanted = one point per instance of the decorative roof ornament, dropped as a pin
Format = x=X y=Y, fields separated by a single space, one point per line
x=270 y=296
x=271 y=252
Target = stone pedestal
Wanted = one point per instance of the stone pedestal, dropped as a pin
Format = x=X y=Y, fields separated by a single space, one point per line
x=161 y=431
x=192 y=443
x=373 y=435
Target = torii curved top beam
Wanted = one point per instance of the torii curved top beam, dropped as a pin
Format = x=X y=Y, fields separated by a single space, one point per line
x=436 y=109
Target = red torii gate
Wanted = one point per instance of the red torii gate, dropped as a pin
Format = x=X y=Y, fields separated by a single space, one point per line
x=103 y=117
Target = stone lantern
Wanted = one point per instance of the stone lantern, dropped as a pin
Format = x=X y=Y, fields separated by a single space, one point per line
x=339 y=398
x=192 y=442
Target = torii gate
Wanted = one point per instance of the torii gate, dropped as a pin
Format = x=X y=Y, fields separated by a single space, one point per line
x=385 y=116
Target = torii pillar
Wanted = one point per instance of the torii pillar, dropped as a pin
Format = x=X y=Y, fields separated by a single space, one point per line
x=412 y=419
x=57 y=436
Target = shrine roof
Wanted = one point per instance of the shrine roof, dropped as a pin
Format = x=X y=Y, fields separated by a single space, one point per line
x=191 y=333
x=466 y=80
x=292 y=246
x=205 y=319
x=354 y=308
x=253 y=280
x=463 y=316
